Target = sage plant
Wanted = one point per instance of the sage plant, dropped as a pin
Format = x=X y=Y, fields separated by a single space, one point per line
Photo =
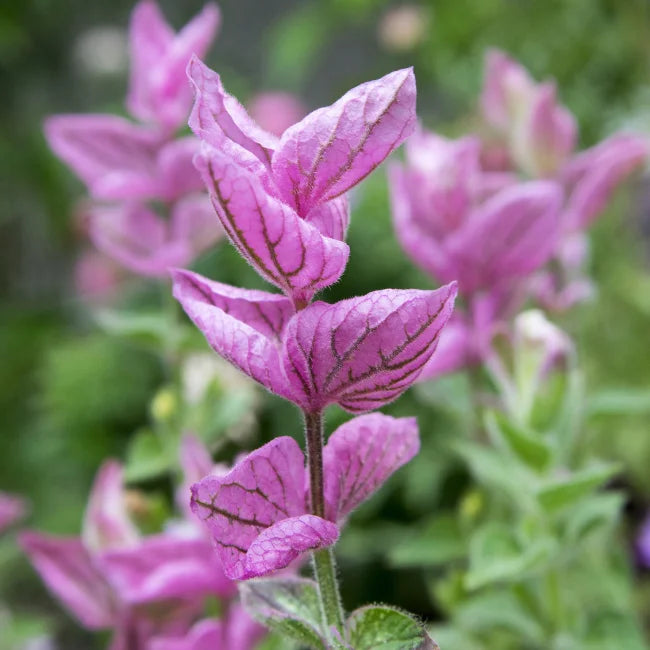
x=282 y=204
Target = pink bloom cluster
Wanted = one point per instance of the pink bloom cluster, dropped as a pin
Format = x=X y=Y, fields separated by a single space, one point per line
x=149 y=590
x=493 y=212
x=282 y=204
x=127 y=165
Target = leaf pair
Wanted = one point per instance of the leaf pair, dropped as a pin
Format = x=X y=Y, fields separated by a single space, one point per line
x=257 y=513
x=360 y=353
x=291 y=607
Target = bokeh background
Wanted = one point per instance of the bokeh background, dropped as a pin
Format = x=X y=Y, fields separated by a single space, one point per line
x=72 y=394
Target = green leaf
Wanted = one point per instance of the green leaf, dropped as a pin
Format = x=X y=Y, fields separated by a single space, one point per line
x=619 y=401
x=379 y=627
x=145 y=457
x=440 y=542
x=599 y=513
x=499 y=609
x=521 y=442
x=150 y=326
x=497 y=556
x=566 y=491
x=611 y=630
x=289 y=606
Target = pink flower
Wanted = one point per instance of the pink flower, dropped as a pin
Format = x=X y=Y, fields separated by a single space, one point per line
x=458 y=222
x=96 y=276
x=257 y=513
x=281 y=201
x=112 y=577
x=360 y=353
x=540 y=133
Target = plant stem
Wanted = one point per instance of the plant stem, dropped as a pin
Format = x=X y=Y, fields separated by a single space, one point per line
x=323 y=560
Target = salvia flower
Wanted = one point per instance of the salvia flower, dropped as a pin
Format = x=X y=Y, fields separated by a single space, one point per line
x=131 y=164
x=258 y=513
x=112 y=577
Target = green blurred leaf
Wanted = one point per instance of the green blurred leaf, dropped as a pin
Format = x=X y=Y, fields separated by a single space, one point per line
x=289 y=606
x=523 y=443
x=566 y=491
x=621 y=401
x=497 y=556
x=441 y=541
x=385 y=628
x=499 y=609
x=599 y=512
x=146 y=457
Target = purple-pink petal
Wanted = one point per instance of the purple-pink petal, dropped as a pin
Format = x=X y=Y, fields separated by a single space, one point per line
x=285 y=249
x=158 y=89
x=264 y=488
x=115 y=158
x=361 y=454
x=205 y=635
x=363 y=352
x=279 y=545
x=241 y=325
x=216 y=115
x=107 y=524
x=165 y=567
x=510 y=235
x=70 y=574
x=137 y=238
x=335 y=147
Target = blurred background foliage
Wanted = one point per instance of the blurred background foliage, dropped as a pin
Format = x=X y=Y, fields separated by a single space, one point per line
x=73 y=392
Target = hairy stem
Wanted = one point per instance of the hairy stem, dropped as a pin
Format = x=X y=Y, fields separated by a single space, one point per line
x=323 y=560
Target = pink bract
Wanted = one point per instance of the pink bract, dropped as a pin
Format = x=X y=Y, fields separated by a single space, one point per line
x=360 y=353
x=257 y=513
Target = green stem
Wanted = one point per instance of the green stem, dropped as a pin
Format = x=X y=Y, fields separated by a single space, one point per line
x=323 y=560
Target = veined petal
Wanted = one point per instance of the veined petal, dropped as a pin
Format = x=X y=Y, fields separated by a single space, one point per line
x=216 y=113
x=510 y=235
x=115 y=158
x=241 y=325
x=279 y=545
x=332 y=218
x=70 y=574
x=285 y=249
x=106 y=522
x=361 y=454
x=335 y=147
x=267 y=486
x=363 y=352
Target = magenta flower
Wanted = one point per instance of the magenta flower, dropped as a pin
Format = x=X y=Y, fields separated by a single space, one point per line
x=131 y=163
x=458 y=222
x=114 y=578
x=281 y=201
x=236 y=632
x=12 y=509
x=258 y=513
x=360 y=353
